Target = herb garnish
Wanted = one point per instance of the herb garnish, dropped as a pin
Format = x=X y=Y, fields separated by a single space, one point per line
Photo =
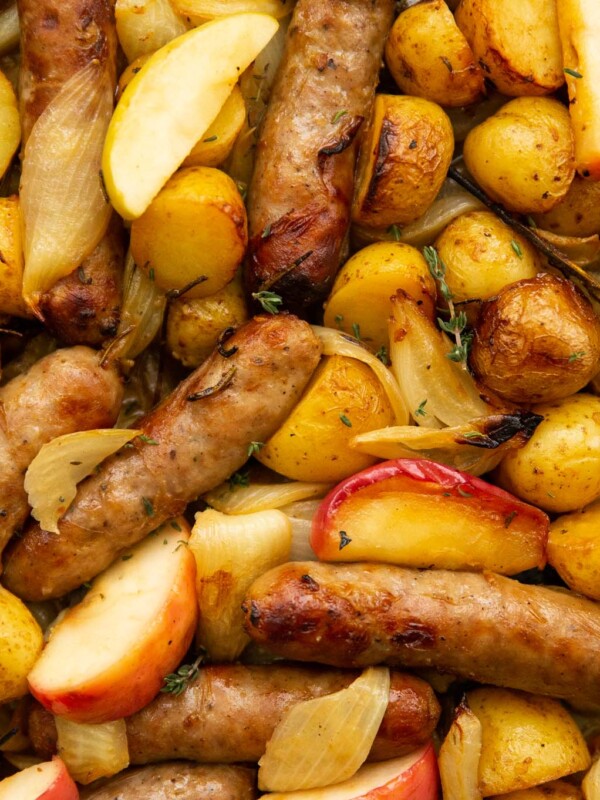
x=382 y=355
x=572 y=72
x=516 y=247
x=420 y=411
x=576 y=356
x=176 y=682
x=241 y=478
x=270 y=301
x=254 y=447
x=345 y=420
x=356 y=330
x=338 y=115
x=146 y=439
x=395 y=231
x=148 y=507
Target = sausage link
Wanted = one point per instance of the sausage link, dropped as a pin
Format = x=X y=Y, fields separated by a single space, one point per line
x=63 y=392
x=229 y=713
x=482 y=627
x=301 y=190
x=180 y=780
x=202 y=431
x=58 y=38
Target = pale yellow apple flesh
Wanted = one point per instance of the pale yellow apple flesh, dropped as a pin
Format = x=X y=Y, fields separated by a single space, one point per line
x=108 y=656
x=172 y=101
x=47 y=781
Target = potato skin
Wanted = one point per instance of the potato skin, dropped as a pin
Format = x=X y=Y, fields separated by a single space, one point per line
x=573 y=550
x=481 y=258
x=429 y=57
x=516 y=42
x=403 y=161
x=577 y=214
x=558 y=469
x=555 y=790
x=523 y=155
x=537 y=341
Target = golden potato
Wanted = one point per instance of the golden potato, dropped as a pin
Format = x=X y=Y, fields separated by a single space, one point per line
x=196 y=226
x=537 y=341
x=129 y=73
x=343 y=398
x=516 y=42
x=403 y=161
x=555 y=790
x=526 y=740
x=194 y=326
x=20 y=645
x=360 y=298
x=558 y=469
x=577 y=214
x=523 y=155
x=483 y=255
x=574 y=550
x=217 y=143
x=11 y=259
x=10 y=123
x=429 y=57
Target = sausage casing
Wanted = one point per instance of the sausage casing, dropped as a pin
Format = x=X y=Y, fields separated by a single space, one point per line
x=228 y=714
x=193 y=441
x=301 y=191
x=482 y=627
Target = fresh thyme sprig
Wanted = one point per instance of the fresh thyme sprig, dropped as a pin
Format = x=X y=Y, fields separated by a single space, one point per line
x=270 y=301
x=176 y=682
x=457 y=323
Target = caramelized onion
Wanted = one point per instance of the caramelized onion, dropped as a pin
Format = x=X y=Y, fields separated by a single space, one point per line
x=142 y=311
x=459 y=756
x=231 y=499
x=144 y=26
x=92 y=751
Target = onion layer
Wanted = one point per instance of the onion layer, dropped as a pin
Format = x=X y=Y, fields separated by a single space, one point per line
x=142 y=312
x=209 y=9
x=65 y=209
x=459 y=756
x=92 y=751
x=591 y=782
x=144 y=26
x=262 y=496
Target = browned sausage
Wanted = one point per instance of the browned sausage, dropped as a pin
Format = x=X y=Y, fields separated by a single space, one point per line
x=58 y=38
x=478 y=626
x=300 y=194
x=64 y=392
x=178 y=780
x=228 y=714
x=200 y=434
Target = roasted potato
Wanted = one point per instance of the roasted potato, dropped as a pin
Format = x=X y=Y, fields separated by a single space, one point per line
x=483 y=255
x=523 y=155
x=555 y=790
x=343 y=398
x=21 y=644
x=429 y=56
x=526 y=740
x=359 y=302
x=10 y=124
x=403 y=161
x=216 y=144
x=558 y=469
x=194 y=326
x=130 y=71
x=574 y=551
x=11 y=259
x=516 y=42
x=577 y=214
x=196 y=226
x=537 y=341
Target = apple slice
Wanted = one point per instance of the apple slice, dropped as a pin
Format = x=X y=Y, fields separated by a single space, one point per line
x=411 y=777
x=417 y=513
x=172 y=101
x=108 y=655
x=47 y=781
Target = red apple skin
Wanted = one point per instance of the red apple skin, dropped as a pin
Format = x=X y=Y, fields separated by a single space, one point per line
x=131 y=683
x=60 y=787
x=427 y=478
x=420 y=782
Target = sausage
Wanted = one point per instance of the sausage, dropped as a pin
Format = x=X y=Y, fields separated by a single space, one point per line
x=194 y=440
x=63 y=392
x=58 y=38
x=482 y=627
x=300 y=194
x=229 y=713
x=180 y=780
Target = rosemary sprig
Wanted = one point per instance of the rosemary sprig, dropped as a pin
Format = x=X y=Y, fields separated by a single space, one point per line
x=176 y=682
x=270 y=301
x=458 y=322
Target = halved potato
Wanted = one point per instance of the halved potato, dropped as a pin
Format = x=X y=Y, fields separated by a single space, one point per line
x=555 y=790
x=573 y=550
x=577 y=214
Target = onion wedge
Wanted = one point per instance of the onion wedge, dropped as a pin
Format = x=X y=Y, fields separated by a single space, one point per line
x=144 y=26
x=324 y=741
x=591 y=782
x=209 y=9
x=52 y=477
x=92 y=751
x=437 y=391
x=65 y=208
x=459 y=756
x=142 y=312
x=262 y=496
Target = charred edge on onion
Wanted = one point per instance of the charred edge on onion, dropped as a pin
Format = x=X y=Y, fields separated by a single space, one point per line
x=498 y=429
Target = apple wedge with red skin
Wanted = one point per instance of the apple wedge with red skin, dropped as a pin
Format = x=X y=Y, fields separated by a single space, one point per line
x=108 y=656
x=47 y=781
x=418 y=513
x=411 y=777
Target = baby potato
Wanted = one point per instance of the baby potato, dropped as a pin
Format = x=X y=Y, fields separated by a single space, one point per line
x=558 y=469
x=196 y=226
x=523 y=154
x=403 y=162
x=130 y=71
x=483 y=255
x=216 y=144
x=20 y=645
x=526 y=740
x=194 y=326
x=361 y=293
x=574 y=552
x=577 y=214
x=537 y=341
x=516 y=42
x=555 y=790
x=11 y=263
x=428 y=56
x=10 y=123
x=344 y=398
